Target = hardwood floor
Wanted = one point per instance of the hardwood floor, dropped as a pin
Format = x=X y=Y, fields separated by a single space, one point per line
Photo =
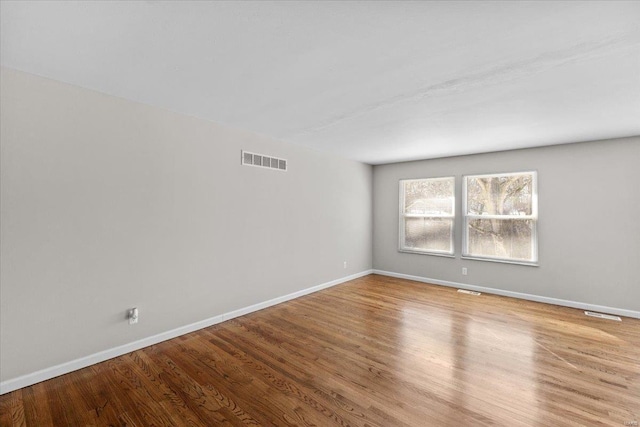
x=376 y=351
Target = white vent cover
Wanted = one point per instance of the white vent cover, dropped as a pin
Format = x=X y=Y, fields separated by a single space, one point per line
x=262 y=161
x=602 y=316
x=464 y=291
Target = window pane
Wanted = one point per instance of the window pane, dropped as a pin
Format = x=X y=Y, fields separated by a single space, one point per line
x=501 y=238
x=429 y=196
x=428 y=234
x=500 y=195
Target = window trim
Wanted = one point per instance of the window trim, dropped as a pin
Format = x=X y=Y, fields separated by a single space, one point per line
x=402 y=216
x=534 y=216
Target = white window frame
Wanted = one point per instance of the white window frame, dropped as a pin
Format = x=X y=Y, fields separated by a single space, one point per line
x=403 y=215
x=534 y=216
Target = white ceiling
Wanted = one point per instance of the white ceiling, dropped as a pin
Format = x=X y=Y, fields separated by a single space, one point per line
x=377 y=82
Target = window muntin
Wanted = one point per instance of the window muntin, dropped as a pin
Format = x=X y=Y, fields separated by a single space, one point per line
x=500 y=217
x=427 y=215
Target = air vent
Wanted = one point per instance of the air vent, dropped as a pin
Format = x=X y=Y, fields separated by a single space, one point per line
x=602 y=316
x=262 y=161
x=247 y=158
x=464 y=291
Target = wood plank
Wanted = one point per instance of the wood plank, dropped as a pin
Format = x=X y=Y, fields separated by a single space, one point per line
x=376 y=351
x=36 y=407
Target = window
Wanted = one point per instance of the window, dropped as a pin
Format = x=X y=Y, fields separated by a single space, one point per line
x=427 y=215
x=500 y=217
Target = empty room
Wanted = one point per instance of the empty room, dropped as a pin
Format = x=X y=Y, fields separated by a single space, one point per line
x=320 y=213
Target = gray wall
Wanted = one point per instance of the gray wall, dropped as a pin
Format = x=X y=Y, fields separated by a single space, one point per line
x=589 y=226
x=108 y=204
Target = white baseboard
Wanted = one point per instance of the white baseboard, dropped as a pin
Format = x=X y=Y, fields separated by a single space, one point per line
x=537 y=298
x=73 y=365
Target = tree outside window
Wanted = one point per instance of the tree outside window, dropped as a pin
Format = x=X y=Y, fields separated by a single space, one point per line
x=501 y=214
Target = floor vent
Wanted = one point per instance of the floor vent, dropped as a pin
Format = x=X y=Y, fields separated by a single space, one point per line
x=262 y=161
x=602 y=316
x=464 y=291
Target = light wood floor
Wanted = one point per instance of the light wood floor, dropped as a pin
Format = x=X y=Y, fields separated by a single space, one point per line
x=376 y=351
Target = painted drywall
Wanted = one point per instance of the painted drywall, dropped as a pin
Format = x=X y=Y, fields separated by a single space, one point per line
x=374 y=81
x=109 y=204
x=588 y=228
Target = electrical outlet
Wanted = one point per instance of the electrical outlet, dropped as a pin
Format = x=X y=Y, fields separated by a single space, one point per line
x=133 y=316
x=345 y=264
x=464 y=271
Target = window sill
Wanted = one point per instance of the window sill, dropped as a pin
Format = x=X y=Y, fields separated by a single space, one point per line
x=502 y=261
x=444 y=255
